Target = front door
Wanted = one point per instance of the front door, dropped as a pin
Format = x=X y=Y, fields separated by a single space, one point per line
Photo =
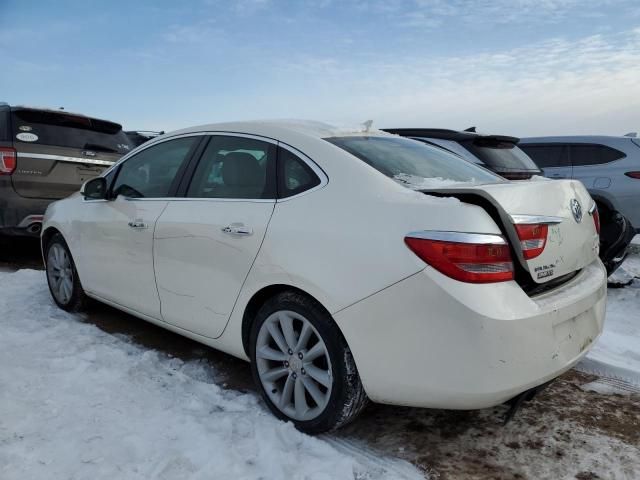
x=116 y=236
x=205 y=243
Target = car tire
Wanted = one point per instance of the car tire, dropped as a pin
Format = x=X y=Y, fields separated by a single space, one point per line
x=302 y=365
x=62 y=276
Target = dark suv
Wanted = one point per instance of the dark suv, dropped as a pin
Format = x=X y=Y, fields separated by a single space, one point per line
x=498 y=153
x=45 y=155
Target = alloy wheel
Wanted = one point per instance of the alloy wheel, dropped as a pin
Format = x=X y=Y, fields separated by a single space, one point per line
x=60 y=273
x=293 y=365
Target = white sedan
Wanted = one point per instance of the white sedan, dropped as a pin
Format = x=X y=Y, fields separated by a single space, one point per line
x=344 y=265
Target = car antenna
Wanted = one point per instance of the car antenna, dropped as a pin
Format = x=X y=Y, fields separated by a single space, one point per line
x=470 y=129
x=367 y=125
x=631 y=134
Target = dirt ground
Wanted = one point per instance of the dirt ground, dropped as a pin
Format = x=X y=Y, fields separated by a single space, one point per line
x=565 y=432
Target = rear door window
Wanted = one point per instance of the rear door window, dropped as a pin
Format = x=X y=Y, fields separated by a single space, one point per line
x=594 y=154
x=235 y=168
x=548 y=156
x=154 y=172
x=42 y=127
x=413 y=164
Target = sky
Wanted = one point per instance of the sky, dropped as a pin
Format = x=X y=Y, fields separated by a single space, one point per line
x=513 y=67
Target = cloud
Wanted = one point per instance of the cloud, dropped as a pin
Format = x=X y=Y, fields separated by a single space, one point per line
x=557 y=84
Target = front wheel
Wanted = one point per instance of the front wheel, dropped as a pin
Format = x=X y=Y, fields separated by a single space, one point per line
x=303 y=366
x=62 y=277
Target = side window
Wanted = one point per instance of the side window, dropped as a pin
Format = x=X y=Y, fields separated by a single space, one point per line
x=151 y=173
x=294 y=175
x=594 y=154
x=548 y=155
x=235 y=167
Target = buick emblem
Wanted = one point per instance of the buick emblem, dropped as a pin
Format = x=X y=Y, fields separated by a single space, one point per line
x=576 y=210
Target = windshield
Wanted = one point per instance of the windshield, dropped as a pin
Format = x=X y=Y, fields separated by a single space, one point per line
x=73 y=131
x=412 y=163
x=501 y=156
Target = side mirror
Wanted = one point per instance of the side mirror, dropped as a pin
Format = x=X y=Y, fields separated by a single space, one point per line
x=94 y=189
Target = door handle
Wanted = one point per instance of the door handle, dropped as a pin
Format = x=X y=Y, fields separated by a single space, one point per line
x=238 y=229
x=137 y=224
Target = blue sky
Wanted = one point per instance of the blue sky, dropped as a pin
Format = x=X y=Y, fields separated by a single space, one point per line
x=521 y=67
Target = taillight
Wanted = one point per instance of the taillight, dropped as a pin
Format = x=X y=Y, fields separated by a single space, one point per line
x=7 y=160
x=533 y=238
x=635 y=175
x=596 y=217
x=472 y=258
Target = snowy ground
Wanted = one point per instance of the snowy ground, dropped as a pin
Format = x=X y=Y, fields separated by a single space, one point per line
x=109 y=396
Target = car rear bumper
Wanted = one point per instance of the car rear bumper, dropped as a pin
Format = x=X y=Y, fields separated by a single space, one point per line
x=18 y=214
x=430 y=341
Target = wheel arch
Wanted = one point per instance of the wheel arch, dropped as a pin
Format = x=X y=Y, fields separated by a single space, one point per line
x=45 y=238
x=259 y=298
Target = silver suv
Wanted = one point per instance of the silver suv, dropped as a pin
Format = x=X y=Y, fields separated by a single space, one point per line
x=45 y=155
x=608 y=166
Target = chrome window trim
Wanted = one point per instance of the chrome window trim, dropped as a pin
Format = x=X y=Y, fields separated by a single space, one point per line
x=459 y=237
x=64 y=158
x=535 y=219
x=324 y=179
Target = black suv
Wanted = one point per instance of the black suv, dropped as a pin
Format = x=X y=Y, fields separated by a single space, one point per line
x=46 y=155
x=498 y=153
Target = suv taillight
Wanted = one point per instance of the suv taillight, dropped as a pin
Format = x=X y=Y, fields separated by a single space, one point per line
x=7 y=160
x=533 y=238
x=471 y=258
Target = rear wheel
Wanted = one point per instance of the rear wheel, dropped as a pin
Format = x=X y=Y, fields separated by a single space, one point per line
x=302 y=365
x=62 y=277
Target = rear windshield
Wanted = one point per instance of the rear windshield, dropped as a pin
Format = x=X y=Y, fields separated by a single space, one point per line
x=72 y=131
x=500 y=156
x=412 y=163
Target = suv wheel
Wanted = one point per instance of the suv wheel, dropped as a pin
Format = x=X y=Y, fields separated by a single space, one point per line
x=303 y=366
x=62 y=277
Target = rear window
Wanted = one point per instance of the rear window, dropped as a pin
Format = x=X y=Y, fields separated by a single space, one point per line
x=412 y=163
x=71 y=131
x=501 y=156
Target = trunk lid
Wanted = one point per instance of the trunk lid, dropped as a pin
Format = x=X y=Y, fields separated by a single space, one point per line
x=572 y=240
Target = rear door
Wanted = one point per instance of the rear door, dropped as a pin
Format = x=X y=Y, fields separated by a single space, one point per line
x=57 y=151
x=205 y=243
x=116 y=236
x=553 y=159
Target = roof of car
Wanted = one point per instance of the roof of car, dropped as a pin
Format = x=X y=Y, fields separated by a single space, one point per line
x=275 y=128
x=447 y=134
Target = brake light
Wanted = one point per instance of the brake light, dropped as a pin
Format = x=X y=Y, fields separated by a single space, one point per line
x=533 y=238
x=472 y=261
x=633 y=175
x=7 y=160
x=596 y=218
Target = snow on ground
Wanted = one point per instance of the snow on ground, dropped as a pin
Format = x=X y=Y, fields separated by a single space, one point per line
x=617 y=351
x=76 y=402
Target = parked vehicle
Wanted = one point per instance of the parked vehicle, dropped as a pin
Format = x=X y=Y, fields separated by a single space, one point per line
x=610 y=169
x=343 y=265
x=498 y=153
x=138 y=137
x=46 y=155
